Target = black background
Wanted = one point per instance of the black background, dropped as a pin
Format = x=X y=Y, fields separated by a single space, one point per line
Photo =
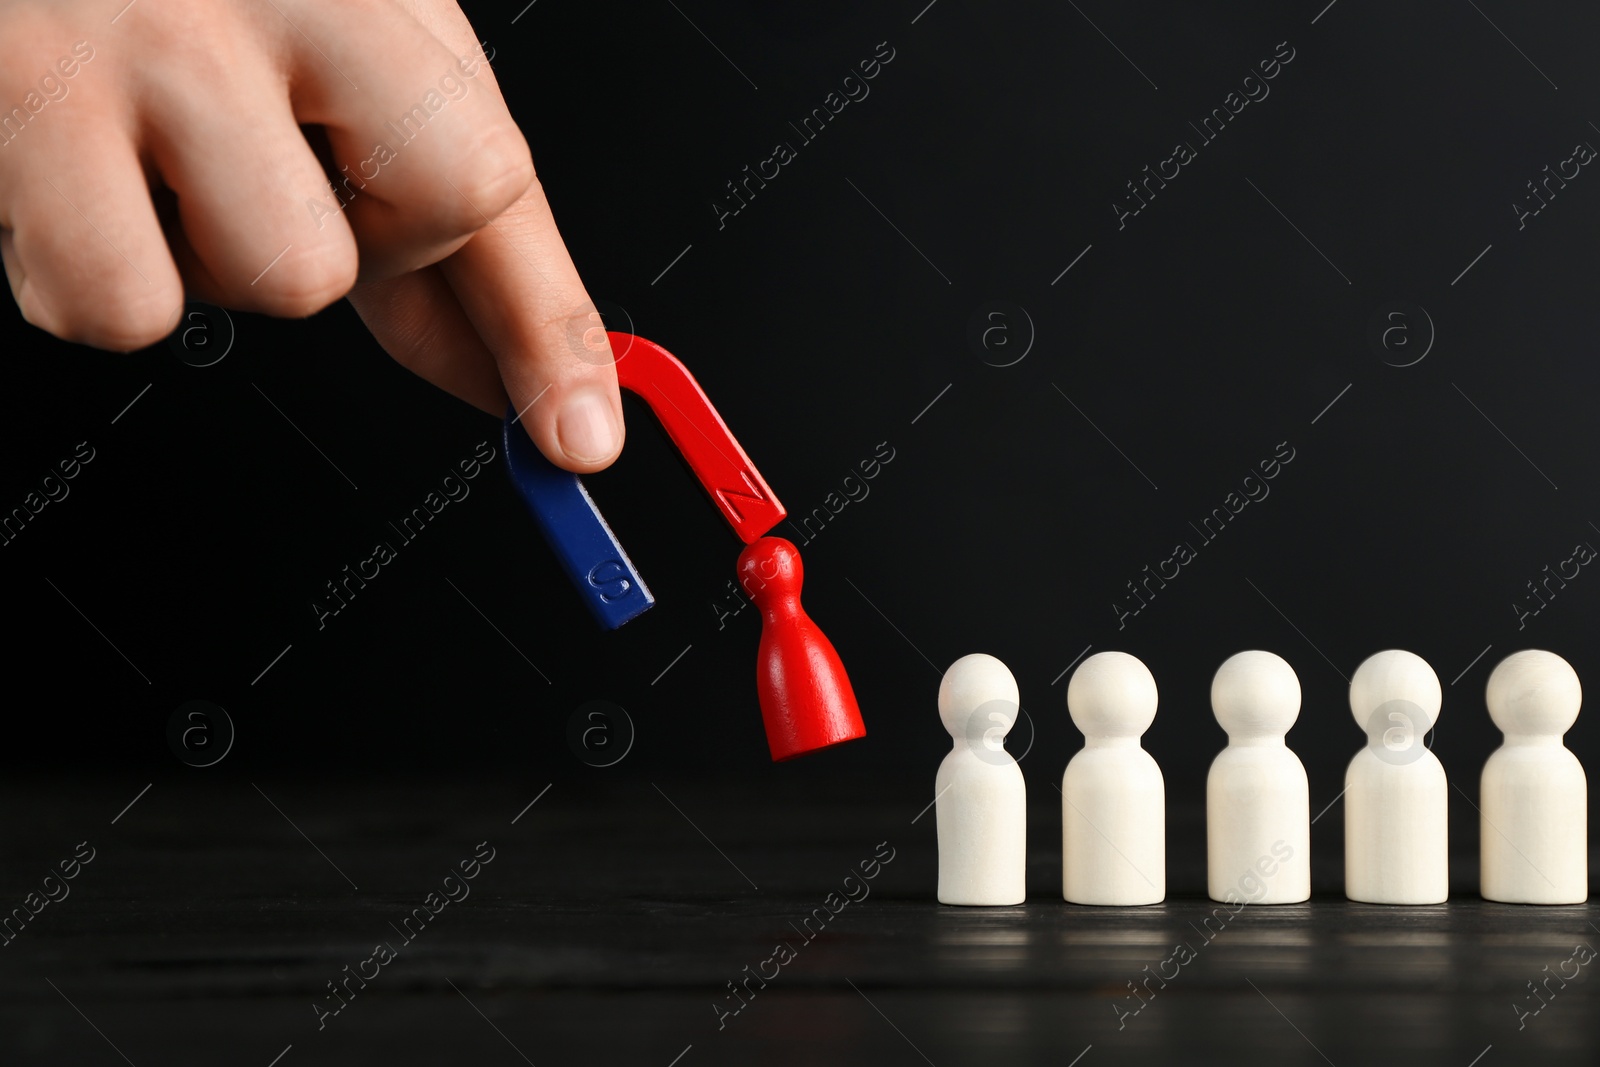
x=832 y=319
x=1191 y=342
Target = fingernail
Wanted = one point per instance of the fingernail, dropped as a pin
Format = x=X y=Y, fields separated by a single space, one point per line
x=587 y=426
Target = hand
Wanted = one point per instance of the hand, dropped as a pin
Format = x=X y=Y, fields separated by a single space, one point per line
x=187 y=146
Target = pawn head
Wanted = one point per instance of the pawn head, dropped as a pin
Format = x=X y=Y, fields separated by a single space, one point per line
x=770 y=565
x=1112 y=694
x=1391 y=677
x=978 y=695
x=1534 y=692
x=1395 y=698
x=1255 y=694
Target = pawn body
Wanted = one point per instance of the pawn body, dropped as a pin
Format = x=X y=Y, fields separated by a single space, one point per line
x=806 y=699
x=1534 y=795
x=1396 y=831
x=980 y=797
x=1396 y=796
x=1258 y=802
x=1113 y=798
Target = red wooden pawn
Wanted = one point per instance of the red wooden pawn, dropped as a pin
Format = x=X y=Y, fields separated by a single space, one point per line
x=806 y=700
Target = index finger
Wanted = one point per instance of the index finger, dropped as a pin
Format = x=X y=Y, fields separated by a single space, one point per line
x=518 y=285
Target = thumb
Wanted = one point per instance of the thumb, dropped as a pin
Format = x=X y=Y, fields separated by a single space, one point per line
x=519 y=288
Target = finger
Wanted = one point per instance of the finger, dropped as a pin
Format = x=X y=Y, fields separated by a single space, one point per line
x=520 y=289
x=259 y=232
x=418 y=320
x=83 y=249
x=423 y=149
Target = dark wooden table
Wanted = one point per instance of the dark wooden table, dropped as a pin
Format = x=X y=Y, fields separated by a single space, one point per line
x=613 y=916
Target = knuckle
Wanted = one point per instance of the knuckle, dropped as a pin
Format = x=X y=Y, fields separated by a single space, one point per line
x=503 y=171
x=305 y=285
x=122 y=319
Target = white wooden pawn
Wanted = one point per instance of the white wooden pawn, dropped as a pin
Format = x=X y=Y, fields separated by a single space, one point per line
x=980 y=797
x=1396 y=796
x=1534 y=797
x=1113 y=798
x=1258 y=803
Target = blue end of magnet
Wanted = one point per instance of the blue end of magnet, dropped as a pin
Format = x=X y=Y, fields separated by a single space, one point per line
x=576 y=531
